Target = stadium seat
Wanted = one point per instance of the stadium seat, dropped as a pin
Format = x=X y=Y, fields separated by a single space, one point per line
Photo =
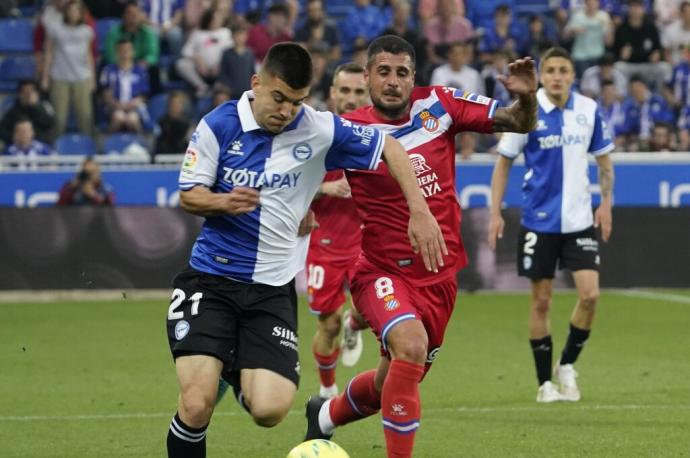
x=75 y=144
x=16 y=35
x=102 y=28
x=157 y=106
x=118 y=143
x=15 y=69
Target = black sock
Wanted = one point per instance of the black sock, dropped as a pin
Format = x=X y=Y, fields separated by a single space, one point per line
x=542 y=350
x=186 y=442
x=573 y=346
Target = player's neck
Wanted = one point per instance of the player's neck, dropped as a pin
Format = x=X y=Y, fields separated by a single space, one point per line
x=559 y=100
x=392 y=115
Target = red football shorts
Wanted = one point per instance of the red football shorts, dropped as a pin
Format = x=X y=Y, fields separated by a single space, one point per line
x=326 y=279
x=385 y=300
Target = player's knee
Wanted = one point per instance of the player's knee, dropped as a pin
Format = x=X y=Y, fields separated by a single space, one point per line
x=412 y=350
x=331 y=326
x=542 y=305
x=588 y=299
x=268 y=416
x=197 y=410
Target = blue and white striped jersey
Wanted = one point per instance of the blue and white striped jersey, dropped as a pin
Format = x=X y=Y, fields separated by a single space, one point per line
x=229 y=149
x=556 y=196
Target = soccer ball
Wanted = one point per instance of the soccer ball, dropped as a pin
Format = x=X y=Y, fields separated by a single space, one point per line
x=318 y=448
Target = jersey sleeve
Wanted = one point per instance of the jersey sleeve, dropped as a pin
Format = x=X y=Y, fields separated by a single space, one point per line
x=200 y=163
x=602 y=140
x=469 y=111
x=512 y=144
x=354 y=146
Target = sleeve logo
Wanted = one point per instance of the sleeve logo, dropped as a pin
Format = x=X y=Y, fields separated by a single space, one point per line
x=471 y=97
x=190 y=160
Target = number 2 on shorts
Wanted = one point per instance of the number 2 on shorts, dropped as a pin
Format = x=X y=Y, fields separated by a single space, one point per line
x=530 y=241
x=178 y=297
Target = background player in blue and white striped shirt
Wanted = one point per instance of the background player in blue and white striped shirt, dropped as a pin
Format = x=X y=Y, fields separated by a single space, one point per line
x=557 y=222
x=252 y=169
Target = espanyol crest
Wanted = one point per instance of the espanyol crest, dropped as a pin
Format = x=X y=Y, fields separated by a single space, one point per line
x=302 y=152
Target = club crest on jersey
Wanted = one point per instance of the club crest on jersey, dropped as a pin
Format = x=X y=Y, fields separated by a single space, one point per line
x=429 y=121
x=471 y=97
x=302 y=152
x=181 y=329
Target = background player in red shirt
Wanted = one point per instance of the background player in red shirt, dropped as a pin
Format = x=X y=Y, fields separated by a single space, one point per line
x=407 y=306
x=334 y=248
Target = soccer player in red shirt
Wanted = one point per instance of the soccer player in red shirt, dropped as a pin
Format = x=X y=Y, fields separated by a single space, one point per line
x=334 y=248
x=407 y=306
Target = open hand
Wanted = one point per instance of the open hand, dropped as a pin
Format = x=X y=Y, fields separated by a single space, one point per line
x=336 y=188
x=521 y=78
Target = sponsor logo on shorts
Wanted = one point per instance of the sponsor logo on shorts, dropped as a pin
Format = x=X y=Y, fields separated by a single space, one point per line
x=391 y=303
x=181 y=329
x=597 y=260
x=433 y=353
x=287 y=337
x=404 y=262
x=587 y=244
x=527 y=262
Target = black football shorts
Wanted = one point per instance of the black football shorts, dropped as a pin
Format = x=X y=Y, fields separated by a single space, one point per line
x=247 y=326
x=540 y=252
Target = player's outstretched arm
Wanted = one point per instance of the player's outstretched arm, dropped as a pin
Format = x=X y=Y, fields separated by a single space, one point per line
x=602 y=216
x=425 y=234
x=521 y=116
x=202 y=202
x=499 y=180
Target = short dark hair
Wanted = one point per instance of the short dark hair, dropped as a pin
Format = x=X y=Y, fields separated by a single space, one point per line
x=22 y=119
x=607 y=82
x=206 y=19
x=348 y=67
x=557 y=51
x=279 y=8
x=391 y=44
x=124 y=40
x=27 y=82
x=291 y=63
x=637 y=78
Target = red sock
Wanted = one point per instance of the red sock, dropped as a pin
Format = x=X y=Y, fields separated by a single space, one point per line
x=326 y=365
x=359 y=400
x=401 y=409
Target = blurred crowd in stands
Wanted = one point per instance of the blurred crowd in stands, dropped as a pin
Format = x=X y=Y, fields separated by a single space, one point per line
x=128 y=77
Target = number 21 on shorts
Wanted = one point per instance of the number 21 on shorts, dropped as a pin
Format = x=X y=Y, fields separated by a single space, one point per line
x=178 y=297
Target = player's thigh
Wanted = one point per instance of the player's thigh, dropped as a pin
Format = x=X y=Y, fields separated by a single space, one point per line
x=201 y=318
x=198 y=375
x=436 y=305
x=537 y=254
x=267 y=393
x=267 y=338
x=325 y=284
x=384 y=301
x=580 y=251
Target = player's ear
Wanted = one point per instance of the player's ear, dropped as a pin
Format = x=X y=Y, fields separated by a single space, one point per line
x=255 y=81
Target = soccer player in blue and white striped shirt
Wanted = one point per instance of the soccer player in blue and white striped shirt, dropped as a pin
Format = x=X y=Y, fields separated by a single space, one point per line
x=557 y=222
x=252 y=169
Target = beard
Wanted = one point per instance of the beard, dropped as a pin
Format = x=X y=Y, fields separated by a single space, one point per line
x=391 y=110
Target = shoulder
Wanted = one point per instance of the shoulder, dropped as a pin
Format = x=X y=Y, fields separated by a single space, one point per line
x=222 y=118
x=584 y=103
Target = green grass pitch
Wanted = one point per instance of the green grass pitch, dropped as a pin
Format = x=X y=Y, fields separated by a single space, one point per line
x=95 y=379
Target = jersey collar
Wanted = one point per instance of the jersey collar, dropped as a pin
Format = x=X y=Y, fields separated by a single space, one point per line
x=548 y=106
x=244 y=109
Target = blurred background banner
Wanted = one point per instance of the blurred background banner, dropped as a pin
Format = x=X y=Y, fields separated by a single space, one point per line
x=644 y=184
x=138 y=247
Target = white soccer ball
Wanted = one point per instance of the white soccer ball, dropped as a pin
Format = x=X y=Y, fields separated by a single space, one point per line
x=318 y=448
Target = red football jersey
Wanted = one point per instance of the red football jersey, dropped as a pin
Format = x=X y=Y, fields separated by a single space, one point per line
x=339 y=235
x=437 y=114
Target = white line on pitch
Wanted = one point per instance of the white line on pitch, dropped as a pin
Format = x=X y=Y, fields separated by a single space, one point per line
x=652 y=295
x=560 y=407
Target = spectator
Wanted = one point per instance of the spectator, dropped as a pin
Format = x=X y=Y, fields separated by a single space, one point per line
x=106 y=8
x=401 y=26
x=458 y=73
x=29 y=105
x=666 y=12
x=677 y=91
x=69 y=70
x=638 y=49
x=321 y=79
x=447 y=27
x=275 y=30
x=144 y=39
x=317 y=30
x=8 y=8
x=481 y=13
x=24 y=144
x=612 y=111
x=125 y=86
x=175 y=126
x=165 y=17
x=498 y=66
x=662 y=138
x=505 y=34
x=676 y=36
x=201 y=55
x=684 y=129
x=220 y=96
x=642 y=110
x=539 y=38
x=237 y=65
x=592 y=78
x=87 y=187
x=427 y=9
x=363 y=23
x=359 y=55
x=592 y=30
